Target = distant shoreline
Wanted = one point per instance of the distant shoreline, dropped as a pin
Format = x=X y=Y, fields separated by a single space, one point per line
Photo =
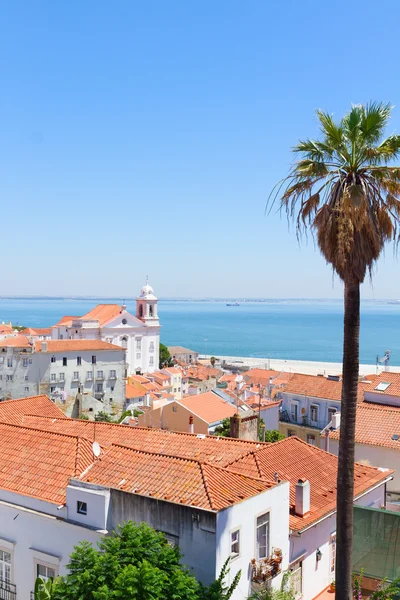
x=394 y=301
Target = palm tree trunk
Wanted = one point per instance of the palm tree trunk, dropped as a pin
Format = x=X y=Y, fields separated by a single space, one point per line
x=345 y=480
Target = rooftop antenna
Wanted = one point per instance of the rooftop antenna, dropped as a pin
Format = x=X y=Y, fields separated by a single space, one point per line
x=384 y=361
x=96 y=449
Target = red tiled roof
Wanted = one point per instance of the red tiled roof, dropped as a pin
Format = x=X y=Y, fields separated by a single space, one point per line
x=13 y=411
x=315 y=386
x=216 y=450
x=66 y=320
x=74 y=346
x=133 y=392
x=6 y=328
x=209 y=407
x=36 y=331
x=180 y=480
x=376 y=424
x=294 y=459
x=261 y=376
x=19 y=341
x=40 y=463
x=103 y=313
x=393 y=379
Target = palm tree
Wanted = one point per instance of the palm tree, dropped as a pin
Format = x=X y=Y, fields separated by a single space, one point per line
x=343 y=189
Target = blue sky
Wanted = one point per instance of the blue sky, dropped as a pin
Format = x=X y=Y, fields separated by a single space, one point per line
x=144 y=137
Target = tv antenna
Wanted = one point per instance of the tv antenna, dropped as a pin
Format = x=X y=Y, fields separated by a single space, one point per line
x=384 y=361
x=96 y=449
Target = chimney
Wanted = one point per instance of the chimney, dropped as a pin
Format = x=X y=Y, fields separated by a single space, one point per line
x=244 y=428
x=302 y=506
x=44 y=346
x=191 y=424
x=336 y=420
x=327 y=440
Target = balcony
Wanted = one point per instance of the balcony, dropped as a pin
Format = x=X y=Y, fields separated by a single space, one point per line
x=112 y=376
x=303 y=421
x=265 y=569
x=8 y=591
x=100 y=376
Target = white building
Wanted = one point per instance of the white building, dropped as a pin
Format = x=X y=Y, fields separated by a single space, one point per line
x=78 y=375
x=139 y=335
x=215 y=497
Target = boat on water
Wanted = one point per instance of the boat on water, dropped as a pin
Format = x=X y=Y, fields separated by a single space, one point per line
x=232 y=304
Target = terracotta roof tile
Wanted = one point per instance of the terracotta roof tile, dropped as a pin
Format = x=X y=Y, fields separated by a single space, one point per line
x=376 y=424
x=134 y=392
x=172 y=478
x=40 y=463
x=74 y=346
x=103 y=313
x=261 y=376
x=36 y=331
x=393 y=389
x=13 y=411
x=19 y=341
x=66 y=320
x=208 y=406
x=294 y=459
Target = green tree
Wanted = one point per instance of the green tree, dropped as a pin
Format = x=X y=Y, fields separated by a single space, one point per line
x=43 y=589
x=134 y=563
x=165 y=357
x=342 y=188
x=103 y=416
x=213 y=360
x=273 y=435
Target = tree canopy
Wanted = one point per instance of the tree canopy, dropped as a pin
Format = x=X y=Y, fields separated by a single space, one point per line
x=134 y=563
x=165 y=357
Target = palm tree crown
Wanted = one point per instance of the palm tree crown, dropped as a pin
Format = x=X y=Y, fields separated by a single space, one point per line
x=342 y=187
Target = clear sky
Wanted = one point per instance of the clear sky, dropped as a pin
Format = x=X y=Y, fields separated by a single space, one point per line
x=144 y=137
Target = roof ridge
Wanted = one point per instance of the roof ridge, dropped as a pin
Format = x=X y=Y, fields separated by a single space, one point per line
x=25 y=398
x=70 y=435
x=208 y=492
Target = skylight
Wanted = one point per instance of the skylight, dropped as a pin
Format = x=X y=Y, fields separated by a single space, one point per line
x=382 y=386
x=395 y=437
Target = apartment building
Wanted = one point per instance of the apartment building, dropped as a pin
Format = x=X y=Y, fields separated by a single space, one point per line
x=78 y=375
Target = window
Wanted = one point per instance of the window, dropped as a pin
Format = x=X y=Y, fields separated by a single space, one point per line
x=65 y=362
x=26 y=377
x=9 y=377
x=314 y=413
x=99 y=388
x=52 y=389
x=62 y=376
x=138 y=355
x=9 y=362
x=93 y=360
x=111 y=400
x=81 y=508
x=311 y=440
x=174 y=390
x=53 y=359
x=53 y=377
x=89 y=375
x=112 y=388
x=333 y=553
x=1 y=360
x=76 y=376
x=113 y=374
x=262 y=538
x=24 y=362
x=45 y=572
x=26 y=389
x=235 y=543
x=290 y=432
x=124 y=342
x=150 y=310
x=138 y=343
x=1 y=377
x=5 y=566
x=151 y=347
x=78 y=361
x=124 y=321
x=99 y=375
x=296 y=578
x=294 y=411
x=151 y=360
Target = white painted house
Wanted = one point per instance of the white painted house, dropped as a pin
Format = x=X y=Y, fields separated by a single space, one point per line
x=112 y=323
x=68 y=371
x=215 y=497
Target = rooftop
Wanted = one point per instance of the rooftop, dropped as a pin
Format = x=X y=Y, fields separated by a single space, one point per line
x=13 y=411
x=376 y=425
x=318 y=386
x=180 y=350
x=209 y=407
x=36 y=331
x=74 y=346
x=294 y=459
x=19 y=341
x=134 y=392
x=386 y=383
x=103 y=313
x=181 y=480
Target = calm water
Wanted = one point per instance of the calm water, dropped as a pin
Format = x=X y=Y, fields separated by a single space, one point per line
x=299 y=330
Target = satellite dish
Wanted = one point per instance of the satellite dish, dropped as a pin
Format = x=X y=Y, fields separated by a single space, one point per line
x=96 y=449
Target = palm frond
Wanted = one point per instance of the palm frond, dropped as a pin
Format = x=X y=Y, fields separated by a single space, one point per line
x=374 y=119
x=333 y=133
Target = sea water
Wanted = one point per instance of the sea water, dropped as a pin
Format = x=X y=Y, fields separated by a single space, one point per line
x=307 y=330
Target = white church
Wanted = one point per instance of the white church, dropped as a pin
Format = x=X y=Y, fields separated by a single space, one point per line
x=139 y=334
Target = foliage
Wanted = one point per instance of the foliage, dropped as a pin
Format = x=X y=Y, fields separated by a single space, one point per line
x=219 y=590
x=224 y=429
x=165 y=357
x=343 y=189
x=273 y=435
x=385 y=590
x=128 y=413
x=134 y=563
x=103 y=416
x=18 y=327
x=43 y=589
x=213 y=360
x=284 y=593
x=84 y=418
